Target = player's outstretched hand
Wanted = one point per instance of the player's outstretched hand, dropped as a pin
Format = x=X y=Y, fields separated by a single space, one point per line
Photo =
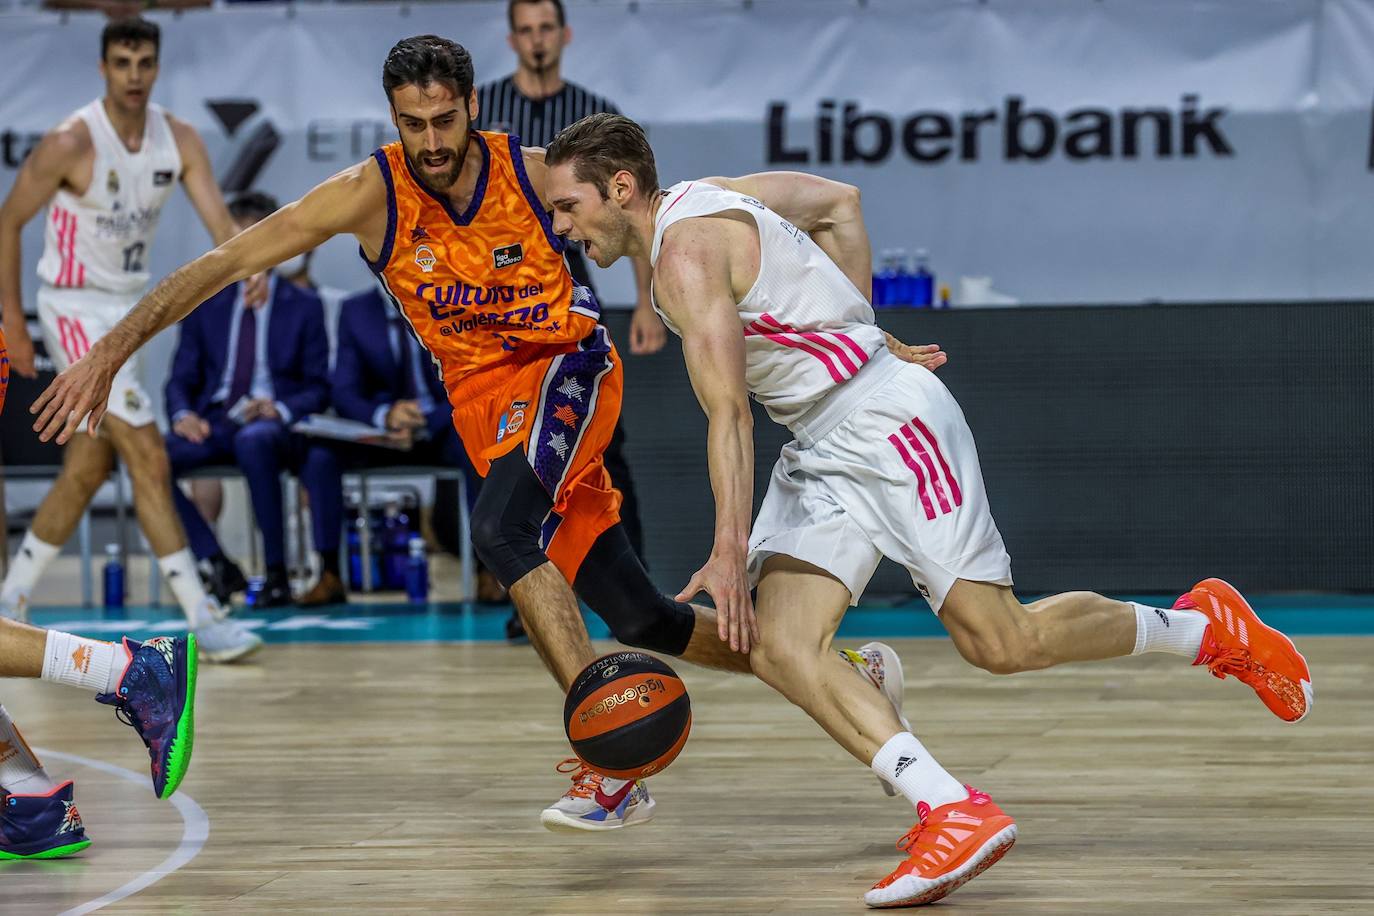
x=725 y=579
x=928 y=355
x=83 y=389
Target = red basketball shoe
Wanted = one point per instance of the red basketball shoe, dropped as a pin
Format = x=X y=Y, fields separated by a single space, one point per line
x=1237 y=643
x=952 y=844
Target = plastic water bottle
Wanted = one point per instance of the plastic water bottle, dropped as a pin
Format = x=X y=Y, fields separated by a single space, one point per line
x=417 y=572
x=901 y=282
x=114 y=577
x=882 y=281
x=922 y=281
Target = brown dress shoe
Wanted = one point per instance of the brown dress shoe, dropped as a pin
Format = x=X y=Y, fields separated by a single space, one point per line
x=329 y=590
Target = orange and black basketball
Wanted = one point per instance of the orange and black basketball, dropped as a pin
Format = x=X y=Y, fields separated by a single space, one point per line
x=627 y=715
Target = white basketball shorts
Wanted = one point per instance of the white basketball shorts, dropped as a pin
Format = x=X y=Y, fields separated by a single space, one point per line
x=73 y=320
x=897 y=477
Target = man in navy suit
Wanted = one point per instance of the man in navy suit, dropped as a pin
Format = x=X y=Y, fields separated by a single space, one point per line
x=241 y=375
x=382 y=376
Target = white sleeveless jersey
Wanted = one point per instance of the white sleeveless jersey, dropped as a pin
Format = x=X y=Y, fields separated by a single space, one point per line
x=101 y=240
x=807 y=329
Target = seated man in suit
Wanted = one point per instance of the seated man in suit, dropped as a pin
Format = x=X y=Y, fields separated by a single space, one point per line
x=241 y=375
x=383 y=377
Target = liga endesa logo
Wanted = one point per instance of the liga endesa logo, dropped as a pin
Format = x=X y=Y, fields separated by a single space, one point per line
x=640 y=693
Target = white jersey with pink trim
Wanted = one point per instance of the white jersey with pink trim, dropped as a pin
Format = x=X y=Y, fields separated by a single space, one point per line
x=807 y=329
x=101 y=240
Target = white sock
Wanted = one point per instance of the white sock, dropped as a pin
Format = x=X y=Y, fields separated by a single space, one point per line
x=179 y=569
x=20 y=771
x=28 y=564
x=906 y=764
x=1161 y=630
x=80 y=662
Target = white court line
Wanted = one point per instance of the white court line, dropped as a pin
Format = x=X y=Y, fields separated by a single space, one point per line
x=195 y=828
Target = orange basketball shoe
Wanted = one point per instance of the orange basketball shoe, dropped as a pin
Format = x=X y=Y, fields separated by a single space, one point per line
x=952 y=844
x=1237 y=643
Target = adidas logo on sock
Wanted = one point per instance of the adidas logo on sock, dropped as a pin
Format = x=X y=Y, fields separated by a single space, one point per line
x=903 y=763
x=1162 y=616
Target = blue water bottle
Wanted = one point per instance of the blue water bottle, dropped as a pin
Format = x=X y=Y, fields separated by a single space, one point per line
x=882 y=281
x=901 y=288
x=417 y=572
x=922 y=281
x=114 y=577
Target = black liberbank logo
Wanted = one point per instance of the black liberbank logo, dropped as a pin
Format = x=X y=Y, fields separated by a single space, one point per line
x=251 y=149
x=845 y=133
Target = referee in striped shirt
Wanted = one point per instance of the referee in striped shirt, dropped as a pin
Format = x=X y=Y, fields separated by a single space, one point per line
x=535 y=103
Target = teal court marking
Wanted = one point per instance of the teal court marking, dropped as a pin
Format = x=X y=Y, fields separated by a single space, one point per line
x=1296 y=615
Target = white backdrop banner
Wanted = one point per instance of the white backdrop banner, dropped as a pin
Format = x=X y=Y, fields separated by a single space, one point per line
x=1073 y=150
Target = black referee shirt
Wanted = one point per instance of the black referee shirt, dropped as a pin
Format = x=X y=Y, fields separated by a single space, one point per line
x=535 y=121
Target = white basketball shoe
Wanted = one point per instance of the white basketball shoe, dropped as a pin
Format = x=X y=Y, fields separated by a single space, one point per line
x=596 y=802
x=220 y=638
x=879 y=663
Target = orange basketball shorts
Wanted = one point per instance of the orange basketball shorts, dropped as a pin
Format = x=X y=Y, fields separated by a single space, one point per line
x=561 y=411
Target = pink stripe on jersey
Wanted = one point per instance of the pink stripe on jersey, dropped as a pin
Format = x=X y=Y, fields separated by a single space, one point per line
x=72 y=265
x=920 y=476
x=679 y=197
x=930 y=466
x=59 y=220
x=755 y=330
x=849 y=342
x=820 y=341
x=940 y=456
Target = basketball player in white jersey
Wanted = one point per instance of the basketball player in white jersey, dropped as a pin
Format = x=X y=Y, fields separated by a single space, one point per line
x=883 y=465
x=104 y=175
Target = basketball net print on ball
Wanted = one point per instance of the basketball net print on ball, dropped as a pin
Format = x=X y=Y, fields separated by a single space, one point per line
x=627 y=715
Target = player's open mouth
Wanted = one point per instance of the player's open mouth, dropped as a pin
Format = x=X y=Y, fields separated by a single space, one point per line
x=587 y=247
x=435 y=162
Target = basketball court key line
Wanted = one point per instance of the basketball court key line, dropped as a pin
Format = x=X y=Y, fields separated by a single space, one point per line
x=195 y=829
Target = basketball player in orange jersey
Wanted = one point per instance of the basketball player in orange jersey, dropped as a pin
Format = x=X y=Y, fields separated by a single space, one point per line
x=152 y=683
x=761 y=277
x=454 y=224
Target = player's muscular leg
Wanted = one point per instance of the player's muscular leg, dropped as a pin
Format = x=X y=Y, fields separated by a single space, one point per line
x=86 y=464
x=994 y=631
x=799 y=608
x=145 y=456
x=21 y=649
x=707 y=649
x=553 y=620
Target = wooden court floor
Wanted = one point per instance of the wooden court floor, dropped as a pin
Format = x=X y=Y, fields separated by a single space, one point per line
x=380 y=779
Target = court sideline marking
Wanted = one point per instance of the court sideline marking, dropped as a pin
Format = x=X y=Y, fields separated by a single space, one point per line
x=195 y=828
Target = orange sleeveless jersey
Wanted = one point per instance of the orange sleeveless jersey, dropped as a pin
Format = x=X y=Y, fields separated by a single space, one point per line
x=519 y=344
x=486 y=288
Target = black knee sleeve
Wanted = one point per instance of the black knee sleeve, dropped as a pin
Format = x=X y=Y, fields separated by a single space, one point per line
x=614 y=584
x=507 y=517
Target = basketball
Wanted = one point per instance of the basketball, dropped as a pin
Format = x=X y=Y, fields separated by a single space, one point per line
x=627 y=715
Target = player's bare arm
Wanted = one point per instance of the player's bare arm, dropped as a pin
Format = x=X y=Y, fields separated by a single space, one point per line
x=693 y=285
x=198 y=179
x=353 y=201
x=58 y=161
x=831 y=212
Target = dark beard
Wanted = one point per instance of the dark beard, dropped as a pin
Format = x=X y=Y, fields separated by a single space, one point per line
x=445 y=181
